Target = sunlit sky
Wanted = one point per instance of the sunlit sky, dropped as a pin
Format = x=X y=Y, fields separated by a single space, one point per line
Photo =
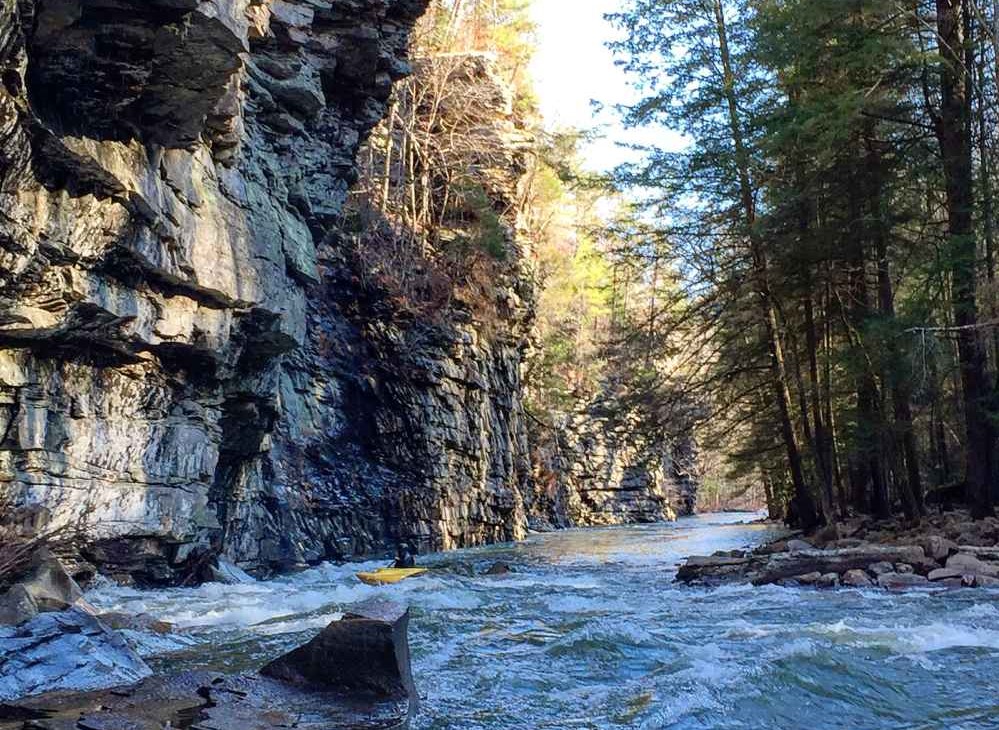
x=573 y=66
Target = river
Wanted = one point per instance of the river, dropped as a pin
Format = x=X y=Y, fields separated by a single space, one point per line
x=591 y=633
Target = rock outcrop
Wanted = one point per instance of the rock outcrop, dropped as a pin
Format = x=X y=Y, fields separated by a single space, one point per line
x=167 y=171
x=601 y=467
x=308 y=688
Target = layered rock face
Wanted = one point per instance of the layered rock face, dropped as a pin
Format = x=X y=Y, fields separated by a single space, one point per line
x=601 y=467
x=168 y=170
x=442 y=381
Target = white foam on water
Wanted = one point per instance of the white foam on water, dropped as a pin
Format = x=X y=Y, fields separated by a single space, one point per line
x=712 y=665
x=577 y=604
x=692 y=699
x=981 y=610
x=924 y=639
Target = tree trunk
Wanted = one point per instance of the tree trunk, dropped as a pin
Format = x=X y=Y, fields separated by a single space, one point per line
x=910 y=484
x=954 y=134
x=870 y=466
x=805 y=510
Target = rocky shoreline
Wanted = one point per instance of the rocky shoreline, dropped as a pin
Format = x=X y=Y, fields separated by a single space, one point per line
x=65 y=666
x=943 y=551
x=355 y=674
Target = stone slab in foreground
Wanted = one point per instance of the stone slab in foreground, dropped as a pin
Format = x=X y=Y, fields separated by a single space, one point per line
x=67 y=650
x=354 y=676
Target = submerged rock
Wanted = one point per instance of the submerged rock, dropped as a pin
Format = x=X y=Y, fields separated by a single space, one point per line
x=136 y=622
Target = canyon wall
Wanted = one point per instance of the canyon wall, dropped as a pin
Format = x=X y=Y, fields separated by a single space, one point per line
x=170 y=169
x=192 y=359
x=600 y=466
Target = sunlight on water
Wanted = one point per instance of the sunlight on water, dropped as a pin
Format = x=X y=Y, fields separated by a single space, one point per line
x=591 y=633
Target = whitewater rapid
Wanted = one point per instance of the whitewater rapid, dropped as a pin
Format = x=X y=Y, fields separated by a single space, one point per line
x=591 y=633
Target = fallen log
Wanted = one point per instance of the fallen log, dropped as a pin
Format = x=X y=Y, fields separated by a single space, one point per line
x=783 y=566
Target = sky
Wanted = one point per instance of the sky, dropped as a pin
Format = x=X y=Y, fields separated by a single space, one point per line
x=573 y=66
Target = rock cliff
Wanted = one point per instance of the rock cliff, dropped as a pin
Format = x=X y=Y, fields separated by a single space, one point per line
x=194 y=357
x=601 y=466
x=169 y=168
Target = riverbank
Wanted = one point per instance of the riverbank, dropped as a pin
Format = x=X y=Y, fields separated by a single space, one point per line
x=948 y=550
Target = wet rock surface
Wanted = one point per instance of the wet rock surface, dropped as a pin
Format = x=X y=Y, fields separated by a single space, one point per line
x=366 y=652
x=65 y=650
x=889 y=555
x=355 y=674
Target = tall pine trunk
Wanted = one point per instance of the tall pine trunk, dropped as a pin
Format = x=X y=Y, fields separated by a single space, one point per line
x=805 y=510
x=954 y=134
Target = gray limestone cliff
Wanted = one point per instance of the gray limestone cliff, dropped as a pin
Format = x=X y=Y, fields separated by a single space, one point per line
x=193 y=360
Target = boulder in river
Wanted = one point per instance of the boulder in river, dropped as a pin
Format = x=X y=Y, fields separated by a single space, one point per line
x=901 y=580
x=808 y=579
x=136 y=622
x=828 y=580
x=944 y=574
x=367 y=651
x=971 y=565
x=719 y=569
x=857 y=579
x=498 y=568
x=881 y=567
x=938 y=547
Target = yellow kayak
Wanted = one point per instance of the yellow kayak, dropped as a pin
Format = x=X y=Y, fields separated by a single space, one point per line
x=385 y=576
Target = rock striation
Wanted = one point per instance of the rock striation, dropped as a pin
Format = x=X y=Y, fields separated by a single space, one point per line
x=167 y=171
x=193 y=363
x=601 y=467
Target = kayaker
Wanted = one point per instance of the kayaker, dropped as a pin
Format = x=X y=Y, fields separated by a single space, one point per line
x=403 y=557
